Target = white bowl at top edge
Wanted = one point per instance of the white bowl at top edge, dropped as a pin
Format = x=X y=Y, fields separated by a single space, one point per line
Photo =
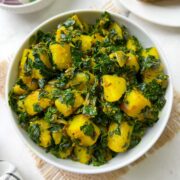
x=26 y=8
x=120 y=160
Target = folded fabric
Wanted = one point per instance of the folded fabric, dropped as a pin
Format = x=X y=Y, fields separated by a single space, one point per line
x=8 y=171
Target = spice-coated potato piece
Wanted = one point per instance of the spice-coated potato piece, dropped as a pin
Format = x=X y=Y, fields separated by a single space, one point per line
x=17 y=89
x=86 y=42
x=83 y=130
x=23 y=60
x=65 y=153
x=119 y=56
x=134 y=103
x=132 y=44
x=78 y=21
x=97 y=38
x=44 y=58
x=57 y=136
x=45 y=136
x=82 y=154
x=132 y=61
x=119 y=136
x=151 y=74
x=63 y=108
x=61 y=56
x=59 y=32
x=32 y=103
x=117 y=28
x=114 y=87
x=67 y=110
x=150 y=52
x=81 y=80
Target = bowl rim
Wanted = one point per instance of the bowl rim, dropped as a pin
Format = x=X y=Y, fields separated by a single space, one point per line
x=107 y=169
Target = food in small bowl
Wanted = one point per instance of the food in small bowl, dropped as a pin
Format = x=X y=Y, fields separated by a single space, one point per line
x=89 y=91
x=24 y=6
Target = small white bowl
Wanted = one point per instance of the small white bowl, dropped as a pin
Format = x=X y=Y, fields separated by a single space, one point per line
x=120 y=160
x=28 y=7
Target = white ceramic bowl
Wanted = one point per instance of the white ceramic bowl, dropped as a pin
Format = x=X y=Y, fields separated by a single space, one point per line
x=120 y=160
x=28 y=7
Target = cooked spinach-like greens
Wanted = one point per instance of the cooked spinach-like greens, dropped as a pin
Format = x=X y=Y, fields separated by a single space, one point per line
x=88 y=92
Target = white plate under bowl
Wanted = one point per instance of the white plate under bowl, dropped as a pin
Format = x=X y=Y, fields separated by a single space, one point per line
x=165 y=13
x=122 y=159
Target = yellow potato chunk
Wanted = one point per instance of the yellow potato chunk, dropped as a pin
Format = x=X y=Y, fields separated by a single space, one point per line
x=45 y=136
x=131 y=45
x=61 y=56
x=82 y=154
x=57 y=136
x=97 y=37
x=150 y=52
x=132 y=61
x=36 y=73
x=18 y=90
x=119 y=56
x=119 y=136
x=78 y=100
x=78 y=21
x=63 y=108
x=86 y=42
x=151 y=74
x=29 y=82
x=23 y=60
x=65 y=153
x=20 y=105
x=81 y=79
x=114 y=87
x=83 y=130
x=33 y=100
x=117 y=28
x=134 y=103
x=59 y=32
x=67 y=110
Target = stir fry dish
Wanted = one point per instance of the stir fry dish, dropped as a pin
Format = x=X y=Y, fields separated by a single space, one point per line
x=88 y=92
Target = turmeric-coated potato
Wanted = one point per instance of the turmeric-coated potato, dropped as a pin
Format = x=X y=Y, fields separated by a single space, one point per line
x=151 y=74
x=119 y=136
x=86 y=42
x=114 y=26
x=61 y=56
x=78 y=22
x=83 y=154
x=57 y=136
x=120 y=57
x=131 y=44
x=81 y=80
x=84 y=131
x=44 y=58
x=59 y=32
x=33 y=104
x=97 y=38
x=66 y=109
x=45 y=136
x=65 y=153
x=134 y=103
x=17 y=89
x=63 y=108
x=150 y=52
x=132 y=61
x=114 y=87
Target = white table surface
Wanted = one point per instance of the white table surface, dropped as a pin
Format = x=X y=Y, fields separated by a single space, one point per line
x=164 y=164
